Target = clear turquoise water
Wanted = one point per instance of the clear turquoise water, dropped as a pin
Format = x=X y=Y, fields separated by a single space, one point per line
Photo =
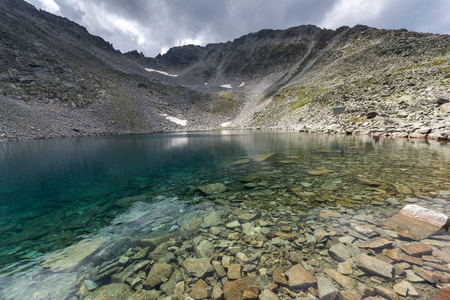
x=53 y=192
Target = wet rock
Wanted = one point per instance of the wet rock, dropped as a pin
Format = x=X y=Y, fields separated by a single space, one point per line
x=299 y=278
x=233 y=289
x=327 y=291
x=111 y=291
x=374 y=266
x=217 y=293
x=159 y=273
x=199 y=290
x=405 y=289
x=416 y=249
x=319 y=172
x=146 y=295
x=248 y=229
x=197 y=267
x=412 y=277
x=377 y=243
x=268 y=295
x=233 y=225
x=250 y=292
x=247 y=217
x=234 y=271
x=345 y=281
x=212 y=219
x=386 y=293
x=73 y=256
x=339 y=252
x=349 y=295
x=279 y=277
x=420 y=221
x=202 y=248
x=345 y=268
x=430 y=276
x=214 y=188
x=442 y=294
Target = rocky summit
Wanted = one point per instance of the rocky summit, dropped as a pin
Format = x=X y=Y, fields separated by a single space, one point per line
x=58 y=80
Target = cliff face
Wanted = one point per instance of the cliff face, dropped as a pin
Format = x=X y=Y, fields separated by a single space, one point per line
x=58 y=80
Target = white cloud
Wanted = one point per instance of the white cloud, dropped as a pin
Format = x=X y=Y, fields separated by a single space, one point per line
x=352 y=12
x=50 y=6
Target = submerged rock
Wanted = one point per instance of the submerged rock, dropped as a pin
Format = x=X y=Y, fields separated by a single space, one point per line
x=420 y=221
x=214 y=188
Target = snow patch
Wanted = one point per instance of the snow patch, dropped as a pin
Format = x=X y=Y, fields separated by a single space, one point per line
x=242 y=84
x=160 y=72
x=225 y=124
x=227 y=86
x=175 y=120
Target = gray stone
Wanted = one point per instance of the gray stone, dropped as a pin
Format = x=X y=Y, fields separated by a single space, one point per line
x=198 y=267
x=405 y=289
x=111 y=291
x=339 y=252
x=202 y=248
x=212 y=219
x=327 y=291
x=375 y=266
x=146 y=295
x=248 y=229
x=159 y=273
x=233 y=225
x=214 y=188
x=299 y=278
x=268 y=295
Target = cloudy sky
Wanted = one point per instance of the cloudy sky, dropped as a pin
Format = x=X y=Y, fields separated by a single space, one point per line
x=153 y=26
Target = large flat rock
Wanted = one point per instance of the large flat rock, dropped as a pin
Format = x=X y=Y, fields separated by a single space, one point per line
x=420 y=221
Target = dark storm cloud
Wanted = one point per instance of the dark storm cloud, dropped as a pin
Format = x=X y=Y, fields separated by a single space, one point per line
x=152 y=26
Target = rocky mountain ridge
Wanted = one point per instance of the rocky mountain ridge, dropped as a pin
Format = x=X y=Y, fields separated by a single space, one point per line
x=58 y=80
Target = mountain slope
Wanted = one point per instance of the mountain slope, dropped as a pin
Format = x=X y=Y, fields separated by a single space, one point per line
x=58 y=80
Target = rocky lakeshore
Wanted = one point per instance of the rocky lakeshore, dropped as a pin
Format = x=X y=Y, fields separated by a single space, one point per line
x=234 y=252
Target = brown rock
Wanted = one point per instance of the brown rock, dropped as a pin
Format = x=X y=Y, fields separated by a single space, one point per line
x=345 y=281
x=217 y=293
x=286 y=236
x=442 y=294
x=233 y=290
x=159 y=273
x=419 y=221
x=329 y=214
x=269 y=295
x=374 y=266
x=279 y=277
x=250 y=292
x=410 y=259
x=349 y=295
x=199 y=290
x=407 y=235
x=416 y=249
x=376 y=243
x=430 y=276
x=319 y=172
x=386 y=293
x=392 y=254
x=234 y=271
x=299 y=278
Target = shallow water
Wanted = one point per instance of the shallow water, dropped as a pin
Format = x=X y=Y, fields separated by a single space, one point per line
x=56 y=192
